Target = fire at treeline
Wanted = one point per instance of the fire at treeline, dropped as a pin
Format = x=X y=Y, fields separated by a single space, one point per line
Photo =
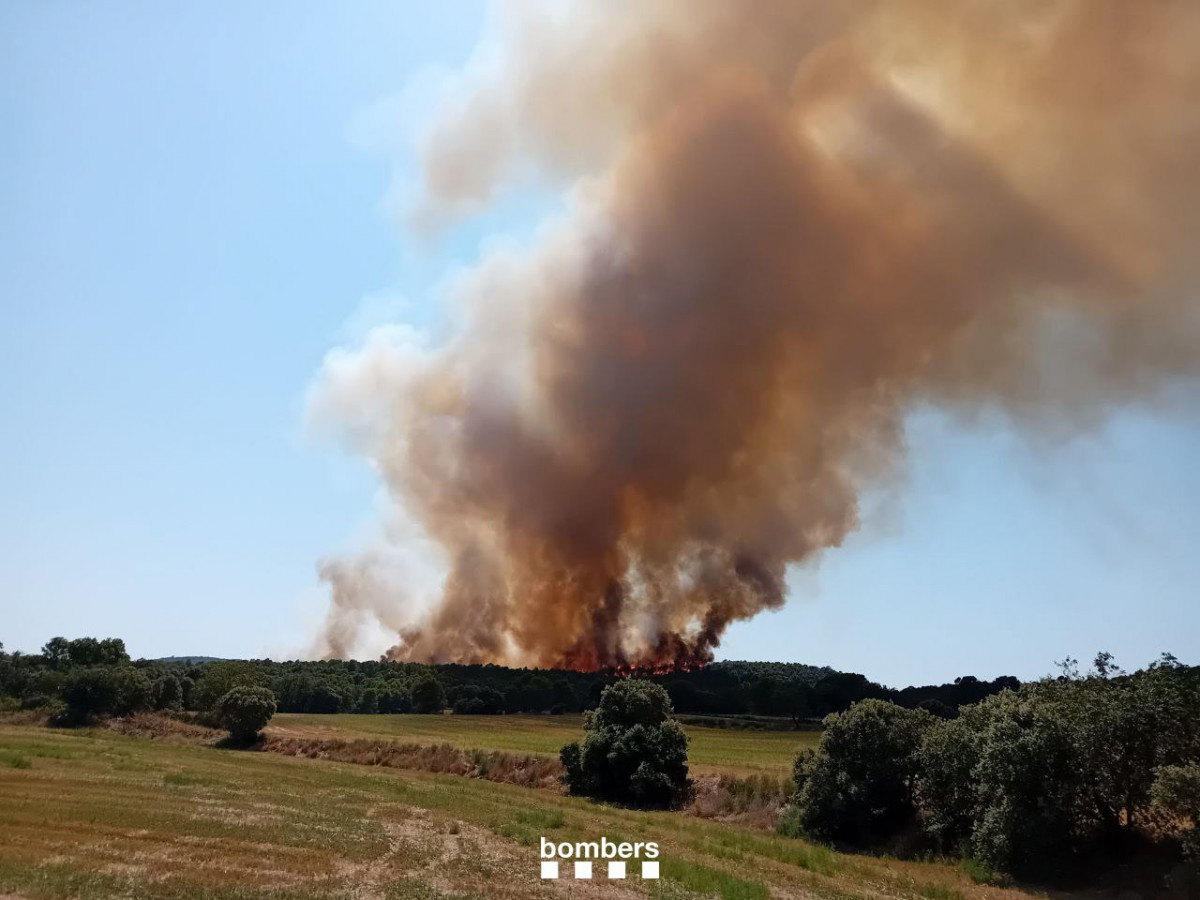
x=789 y=694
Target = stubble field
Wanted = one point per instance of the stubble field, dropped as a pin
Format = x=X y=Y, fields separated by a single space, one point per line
x=88 y=813
x=710 y=750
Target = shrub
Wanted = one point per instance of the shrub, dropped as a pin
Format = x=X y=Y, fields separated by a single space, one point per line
x=859 y=785
x=428 y=695
x=245 y=711
x=633 y=751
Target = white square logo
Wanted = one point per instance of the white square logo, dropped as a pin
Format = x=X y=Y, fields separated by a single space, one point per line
x=650 y=868
x=550 y=869
x=583 y=869
x=616 y=869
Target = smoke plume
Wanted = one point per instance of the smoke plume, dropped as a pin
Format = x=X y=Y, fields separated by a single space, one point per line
x=790 y=223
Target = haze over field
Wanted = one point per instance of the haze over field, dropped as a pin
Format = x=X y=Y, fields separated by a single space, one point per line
x=785 y=232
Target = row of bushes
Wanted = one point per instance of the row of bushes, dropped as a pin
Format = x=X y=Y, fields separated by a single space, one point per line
x=1028 y=781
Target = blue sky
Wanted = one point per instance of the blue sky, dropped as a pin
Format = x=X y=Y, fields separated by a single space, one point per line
x=199 y=201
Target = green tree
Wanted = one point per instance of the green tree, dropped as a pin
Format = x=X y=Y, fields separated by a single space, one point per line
x=85 y=651
x=166 y=692
x=428 y=695
x=218 y=678
x=245 y=711
x=860 y=784
x=90 y=691
x=1177 y=790
x=633 y=750
x=57 y=653
x=133 y=690
x=112 y=652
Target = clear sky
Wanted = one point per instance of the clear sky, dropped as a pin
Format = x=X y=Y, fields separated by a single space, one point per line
x=198 y=201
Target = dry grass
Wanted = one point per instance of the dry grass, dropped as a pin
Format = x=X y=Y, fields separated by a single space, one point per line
x=756 y=801
x=527 y=770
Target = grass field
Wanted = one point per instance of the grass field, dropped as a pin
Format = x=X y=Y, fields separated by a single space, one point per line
x=93 y=814
x=710 y=750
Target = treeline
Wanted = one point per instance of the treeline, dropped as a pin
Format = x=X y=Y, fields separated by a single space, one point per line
x=1035 y=781
x=98 y=676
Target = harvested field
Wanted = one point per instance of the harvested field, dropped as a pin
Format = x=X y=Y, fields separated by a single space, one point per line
x=92 y=813
x=711 y=751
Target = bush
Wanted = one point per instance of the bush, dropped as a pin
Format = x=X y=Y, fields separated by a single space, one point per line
x=859 y=785
x=245 y=711
x=633 y=751
x=428 y=695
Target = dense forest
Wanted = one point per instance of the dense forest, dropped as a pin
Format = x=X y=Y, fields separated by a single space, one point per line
x=97 y=676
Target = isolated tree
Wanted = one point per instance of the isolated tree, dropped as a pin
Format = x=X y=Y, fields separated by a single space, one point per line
x=428 y=695
x=245 y=711
x=633 y=751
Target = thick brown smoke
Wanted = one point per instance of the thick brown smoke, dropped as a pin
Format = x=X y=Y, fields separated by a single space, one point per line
x=792 y=222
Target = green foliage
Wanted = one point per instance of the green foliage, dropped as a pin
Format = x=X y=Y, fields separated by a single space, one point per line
x=633 y=752
x=1177 y=790
x=860 y=784
x=218 y=678
x=166 y=692
x=947 y=758
x=56 y=653
x=428 y=695
x=133 y=690
x=245 y=710
x=1029 y=781
x=104 y=690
